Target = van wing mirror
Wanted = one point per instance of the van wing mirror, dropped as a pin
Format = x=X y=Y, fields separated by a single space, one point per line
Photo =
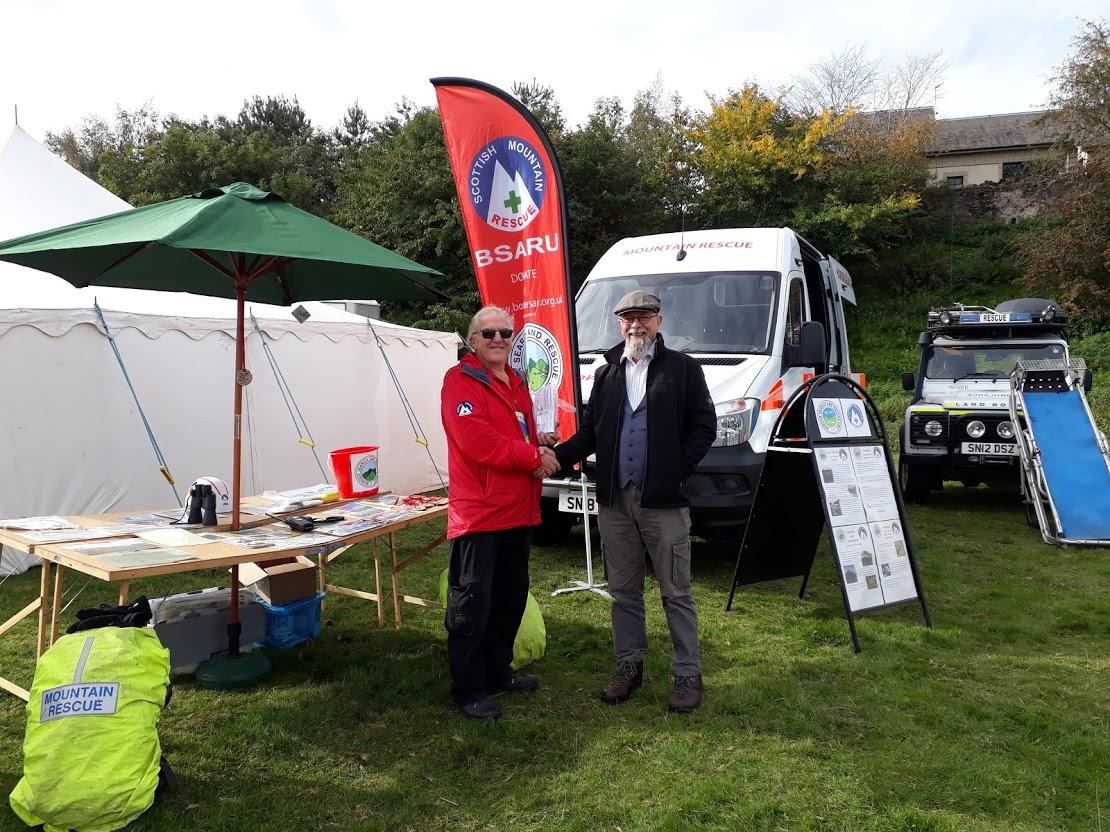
x=811 y=346
x=908 y=382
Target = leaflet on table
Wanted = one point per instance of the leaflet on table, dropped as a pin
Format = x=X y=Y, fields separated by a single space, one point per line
x=353 y=525
x=148 y=519
x=895 y=572
x=366 y=510
x=178 y=515
x=65 y=535
x=117 y=546
x=37 y=524
x=840 y=486
x=268 y=537
x=152 y=557
x=172 y=537
x=855 y=550
x=130 y=553
x=298 y=498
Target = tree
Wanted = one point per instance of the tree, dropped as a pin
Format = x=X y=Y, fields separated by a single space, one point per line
x=1068 y=257
x=85 y=147
x=541 y=102
x=356 y=130
x=604 y=190
x=755 y=159
x=1081 y=99
x=850 y=80
x=914 y=81
x=280 y=118
x=840 y=82
x=398 y=191
x=659 y=143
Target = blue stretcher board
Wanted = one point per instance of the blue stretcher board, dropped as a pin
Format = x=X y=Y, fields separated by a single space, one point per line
x=1074 y=468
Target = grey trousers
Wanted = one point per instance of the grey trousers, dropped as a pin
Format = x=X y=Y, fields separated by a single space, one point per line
x=627 y=532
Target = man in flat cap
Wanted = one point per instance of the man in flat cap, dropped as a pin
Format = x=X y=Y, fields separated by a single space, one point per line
x=650 y=421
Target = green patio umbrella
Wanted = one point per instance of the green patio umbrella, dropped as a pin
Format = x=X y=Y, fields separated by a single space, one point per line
x=235 y=242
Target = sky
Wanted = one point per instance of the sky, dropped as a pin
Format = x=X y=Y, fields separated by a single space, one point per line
x=62 y=60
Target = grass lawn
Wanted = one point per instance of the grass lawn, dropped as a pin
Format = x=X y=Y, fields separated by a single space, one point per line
x=994 y=720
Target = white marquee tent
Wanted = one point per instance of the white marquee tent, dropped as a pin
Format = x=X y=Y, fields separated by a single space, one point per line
x=71 y=438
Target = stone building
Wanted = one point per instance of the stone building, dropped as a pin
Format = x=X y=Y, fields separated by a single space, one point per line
x=982 y=149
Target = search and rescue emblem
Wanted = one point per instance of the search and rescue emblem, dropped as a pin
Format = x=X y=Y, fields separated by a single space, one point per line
x=464 y=409
x=537 y=357
x=507 y=182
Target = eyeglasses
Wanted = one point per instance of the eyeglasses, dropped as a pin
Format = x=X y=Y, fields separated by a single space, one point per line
x=488 y=334
x=642 y=318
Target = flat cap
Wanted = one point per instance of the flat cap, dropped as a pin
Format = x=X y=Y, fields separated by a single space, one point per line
x=637 y=301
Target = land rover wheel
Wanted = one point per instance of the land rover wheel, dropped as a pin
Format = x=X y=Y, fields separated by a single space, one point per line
x=915 y=481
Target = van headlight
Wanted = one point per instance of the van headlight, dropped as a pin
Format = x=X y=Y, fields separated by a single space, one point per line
x=735 y=421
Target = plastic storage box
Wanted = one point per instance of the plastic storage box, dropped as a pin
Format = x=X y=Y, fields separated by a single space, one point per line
x=193 y=625
x=291 y=624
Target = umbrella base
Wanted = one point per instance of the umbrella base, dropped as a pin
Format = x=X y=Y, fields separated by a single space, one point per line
x=223 y=672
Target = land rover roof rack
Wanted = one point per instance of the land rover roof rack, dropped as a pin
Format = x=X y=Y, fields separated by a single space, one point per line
x=1020 y=313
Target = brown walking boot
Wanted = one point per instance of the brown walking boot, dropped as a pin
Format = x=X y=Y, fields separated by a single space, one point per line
x=626 y=678
x=687 y=694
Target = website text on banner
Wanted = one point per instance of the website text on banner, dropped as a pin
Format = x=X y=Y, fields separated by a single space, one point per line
x=511 y=198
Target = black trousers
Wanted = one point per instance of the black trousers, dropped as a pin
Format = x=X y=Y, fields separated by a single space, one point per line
x=487 y=589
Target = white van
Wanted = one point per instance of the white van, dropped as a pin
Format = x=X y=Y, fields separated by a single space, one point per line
x=761 y=310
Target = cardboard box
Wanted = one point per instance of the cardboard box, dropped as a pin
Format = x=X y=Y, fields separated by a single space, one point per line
x=282 y=581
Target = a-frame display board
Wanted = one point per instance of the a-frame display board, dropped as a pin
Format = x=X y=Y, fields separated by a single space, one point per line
x=828 y=466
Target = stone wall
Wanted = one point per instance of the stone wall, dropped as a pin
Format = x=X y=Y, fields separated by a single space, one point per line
x=1008 y=201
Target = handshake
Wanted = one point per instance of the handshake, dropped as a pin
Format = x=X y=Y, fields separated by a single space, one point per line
x=549 y=464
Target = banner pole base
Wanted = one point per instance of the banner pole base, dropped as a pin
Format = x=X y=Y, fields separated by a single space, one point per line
x=583 y=586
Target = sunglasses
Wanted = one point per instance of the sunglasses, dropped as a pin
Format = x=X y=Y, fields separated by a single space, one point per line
x=488 y=334
x=639 y=319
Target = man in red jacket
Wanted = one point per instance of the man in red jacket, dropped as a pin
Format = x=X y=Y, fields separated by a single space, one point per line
x=496 y=463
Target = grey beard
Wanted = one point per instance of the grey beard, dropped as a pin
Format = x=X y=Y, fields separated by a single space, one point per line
x=636 y=347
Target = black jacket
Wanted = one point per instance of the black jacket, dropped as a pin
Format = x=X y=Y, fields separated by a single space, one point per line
x=682 y=424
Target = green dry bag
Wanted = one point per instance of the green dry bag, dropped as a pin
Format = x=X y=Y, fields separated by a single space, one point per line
x=91 y=752
x=531 y=638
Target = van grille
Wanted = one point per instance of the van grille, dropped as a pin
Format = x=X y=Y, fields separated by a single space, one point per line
x=721 y=362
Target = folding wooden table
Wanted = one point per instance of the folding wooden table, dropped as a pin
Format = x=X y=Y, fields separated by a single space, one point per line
x=60 y=557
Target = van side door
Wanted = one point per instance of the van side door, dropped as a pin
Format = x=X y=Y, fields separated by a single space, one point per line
x=797 y=313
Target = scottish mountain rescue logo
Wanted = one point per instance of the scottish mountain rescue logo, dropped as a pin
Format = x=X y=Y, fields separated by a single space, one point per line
x=507 y=182
x=537 y=357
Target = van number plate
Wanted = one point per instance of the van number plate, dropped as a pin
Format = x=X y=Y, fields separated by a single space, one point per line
x=571 y=502
x=990 y=448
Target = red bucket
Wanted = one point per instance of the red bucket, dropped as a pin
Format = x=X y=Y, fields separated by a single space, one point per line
x=356 y=470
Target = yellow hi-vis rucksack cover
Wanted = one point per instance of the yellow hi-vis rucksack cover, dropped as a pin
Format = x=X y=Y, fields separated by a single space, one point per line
x=531 y=638
x=91 y=753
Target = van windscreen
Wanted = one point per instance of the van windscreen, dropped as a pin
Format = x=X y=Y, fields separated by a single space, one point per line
x=702 y=311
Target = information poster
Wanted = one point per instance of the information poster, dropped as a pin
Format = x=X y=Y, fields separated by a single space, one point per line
x=863 y=513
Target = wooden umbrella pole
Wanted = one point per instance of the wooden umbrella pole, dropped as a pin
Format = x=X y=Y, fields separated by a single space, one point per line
x=237 y=451
x=240 y=365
